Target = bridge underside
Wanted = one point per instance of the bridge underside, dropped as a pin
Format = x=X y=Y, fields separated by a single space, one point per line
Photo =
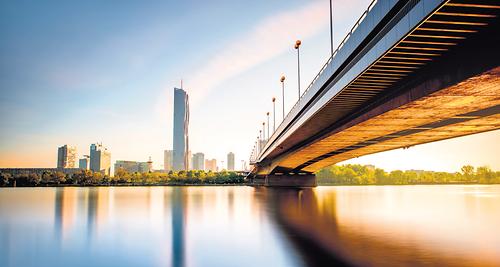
x=440 y=81
x=471 y=106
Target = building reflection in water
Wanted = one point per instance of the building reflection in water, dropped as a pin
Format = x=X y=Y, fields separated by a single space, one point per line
x=178 y=244
x=64 y=211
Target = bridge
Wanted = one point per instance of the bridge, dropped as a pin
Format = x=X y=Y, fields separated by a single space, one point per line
x=408 y=73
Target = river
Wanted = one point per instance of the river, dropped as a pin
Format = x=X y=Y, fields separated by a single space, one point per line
x=437 y=225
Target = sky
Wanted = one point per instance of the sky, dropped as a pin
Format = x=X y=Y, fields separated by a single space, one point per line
x=80 y=72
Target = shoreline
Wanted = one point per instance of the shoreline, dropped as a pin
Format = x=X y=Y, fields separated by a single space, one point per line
x=242 y=184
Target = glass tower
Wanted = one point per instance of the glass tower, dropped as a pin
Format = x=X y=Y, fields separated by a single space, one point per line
x=181 y=137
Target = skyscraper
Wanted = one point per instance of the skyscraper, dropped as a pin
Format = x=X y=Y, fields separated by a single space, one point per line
x=190 y=160
x=168 y=160
x=66 y=157
x=230 y=161
x=100 y=159
x=181 y=123
x=198 y=161
x=83 y=163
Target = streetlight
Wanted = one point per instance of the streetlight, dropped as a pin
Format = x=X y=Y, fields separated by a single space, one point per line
x=297 y=46
x=283 y=94
x=264 y=131
x=258 y=147
x=274 y=114
x=331 y=28
x=268 y=133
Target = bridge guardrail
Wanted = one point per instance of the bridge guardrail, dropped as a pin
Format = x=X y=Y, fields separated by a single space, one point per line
x=330 y=59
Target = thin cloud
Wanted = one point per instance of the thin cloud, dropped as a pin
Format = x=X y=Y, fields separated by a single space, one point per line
x=269 y=38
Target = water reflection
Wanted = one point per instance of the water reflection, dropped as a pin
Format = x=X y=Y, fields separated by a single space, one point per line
x=392 y=226
x=244 y=226
x=178 y=200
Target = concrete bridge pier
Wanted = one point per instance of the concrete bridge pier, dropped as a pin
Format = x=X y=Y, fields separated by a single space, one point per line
x=284 y=180
x=256 y=180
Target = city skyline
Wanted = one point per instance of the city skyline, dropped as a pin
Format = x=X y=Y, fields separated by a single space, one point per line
x=70 y=64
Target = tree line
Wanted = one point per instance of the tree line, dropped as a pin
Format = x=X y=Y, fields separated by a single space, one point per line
x=356 y=174
x=350 y=174
x=89 y=178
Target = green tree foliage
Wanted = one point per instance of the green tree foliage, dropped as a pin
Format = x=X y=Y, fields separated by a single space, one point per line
x=355 y=174
x=122 y=177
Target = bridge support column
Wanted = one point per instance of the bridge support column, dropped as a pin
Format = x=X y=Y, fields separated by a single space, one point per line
x=288 y=180
x=257 y=180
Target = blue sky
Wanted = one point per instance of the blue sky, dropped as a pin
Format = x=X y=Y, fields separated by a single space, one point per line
x=78 y=72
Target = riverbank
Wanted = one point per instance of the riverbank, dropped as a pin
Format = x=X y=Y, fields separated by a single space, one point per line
x=89 y=178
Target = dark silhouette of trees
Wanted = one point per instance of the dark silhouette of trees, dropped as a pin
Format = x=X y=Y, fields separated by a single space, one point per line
x=5 y=179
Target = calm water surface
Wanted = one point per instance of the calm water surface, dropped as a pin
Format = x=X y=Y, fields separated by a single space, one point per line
x=245 y=226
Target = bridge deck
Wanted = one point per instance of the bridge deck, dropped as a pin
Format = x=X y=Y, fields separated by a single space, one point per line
x=382 y=92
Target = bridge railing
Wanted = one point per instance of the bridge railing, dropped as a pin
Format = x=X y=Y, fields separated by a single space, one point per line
x=330 y=59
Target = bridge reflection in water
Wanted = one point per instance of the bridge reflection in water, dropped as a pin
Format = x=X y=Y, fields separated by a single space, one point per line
x=372 y=227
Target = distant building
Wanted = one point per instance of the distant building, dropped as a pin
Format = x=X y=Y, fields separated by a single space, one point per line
x=168 y=160
x=230 y=161
x=181 y=137
x=190 y=160
x=149 y=165
x=128 y=166
x=100 y=159
x=198 y=161
x=211 y=165
x=66 y=157
x=133 y=166
x=84 y=163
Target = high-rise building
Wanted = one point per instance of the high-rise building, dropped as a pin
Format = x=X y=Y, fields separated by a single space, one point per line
x=100 y=159
x=66 y=157
x=167 y=160
x=181 y=123
x=198 y=161
x=211 y=165
x=190 y=160
x=84 y=162
x=230 y=161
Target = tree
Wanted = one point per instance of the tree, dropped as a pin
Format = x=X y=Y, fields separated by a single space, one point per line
x=59 y=177
x=4 y=179
x=468 y=171
x=484 y=174
x=34 y=179
x=46 y=177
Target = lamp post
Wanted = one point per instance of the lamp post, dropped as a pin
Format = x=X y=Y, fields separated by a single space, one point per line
x=264 y=131
x=258 y=147
x=268 y=133
x=297 y=46
x=274 y=114
x=331 y=28
x=283 y=94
